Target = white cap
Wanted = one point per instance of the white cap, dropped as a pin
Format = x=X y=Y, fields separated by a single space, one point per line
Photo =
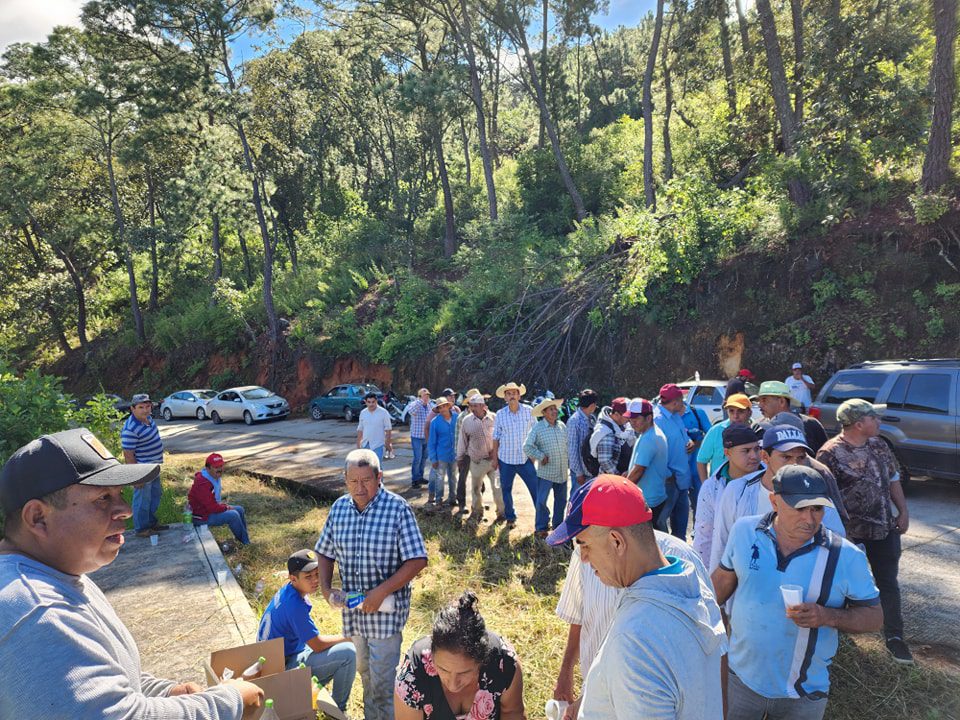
x=797 y=366
x=476 y=399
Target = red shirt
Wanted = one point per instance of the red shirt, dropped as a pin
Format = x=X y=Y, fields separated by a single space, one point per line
x=202 y=501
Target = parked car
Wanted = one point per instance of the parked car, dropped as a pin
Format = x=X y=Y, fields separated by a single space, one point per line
x=708 y=396
x=919 y=401
x=186 y=403
x=249 y=403
x=344 y=401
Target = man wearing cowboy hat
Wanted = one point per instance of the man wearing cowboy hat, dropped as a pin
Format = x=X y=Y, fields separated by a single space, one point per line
x=547 y=444
x=463 y=462
x=475 y=443
x=509 y=433
x=441 y=449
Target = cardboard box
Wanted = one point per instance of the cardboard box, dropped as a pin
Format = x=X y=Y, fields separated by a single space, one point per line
x=290 y=689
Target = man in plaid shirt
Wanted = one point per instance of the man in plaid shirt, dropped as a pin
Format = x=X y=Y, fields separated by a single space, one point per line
x=373 y=537
x=547 y=444
x=417 y=411
x=509 y=433
x=579 y=428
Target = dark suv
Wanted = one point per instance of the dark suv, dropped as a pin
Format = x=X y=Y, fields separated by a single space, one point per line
x=919 y=401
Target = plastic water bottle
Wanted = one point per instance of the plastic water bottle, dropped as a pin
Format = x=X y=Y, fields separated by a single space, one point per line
x=188 y=532
x=258 y=589
x=269 y=713
x=555 y=709
x=355 y=600
x=254 y=670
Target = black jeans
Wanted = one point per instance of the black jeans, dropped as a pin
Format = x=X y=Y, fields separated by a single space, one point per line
x=884 y=557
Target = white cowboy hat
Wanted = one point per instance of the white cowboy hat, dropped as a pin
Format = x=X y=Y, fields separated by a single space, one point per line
x=554 y=402
x=501 y=391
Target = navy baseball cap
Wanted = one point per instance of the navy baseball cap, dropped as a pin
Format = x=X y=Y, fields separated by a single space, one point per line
x=302 y=561
x=72 y=457
x=738 y=434
x=783 y=438
x=607 y=501
x=801 y=486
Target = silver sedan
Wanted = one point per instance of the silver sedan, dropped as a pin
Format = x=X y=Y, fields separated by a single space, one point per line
x=249 y=403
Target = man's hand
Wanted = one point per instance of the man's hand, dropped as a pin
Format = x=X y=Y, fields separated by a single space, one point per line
x=546 y=459
x=336 y=599
x=808 y=615
x=691 y=446
x=187 y=688
x=251 y=694
x=494 y=463
x=563 y=690
x=581 y=479
x=373 y=600
x=435 y=465
x=573 y=709
x=903 y=522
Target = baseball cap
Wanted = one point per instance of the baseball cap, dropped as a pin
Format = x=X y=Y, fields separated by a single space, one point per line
x=638 y=407
x=214 y=460
x=801 y=486
x=738 y=434
x=607 y=501
x=738 y=400
x=72 y=457
x=140 y=398
x=744 y=373
x=796 y=366
x=618 y=405
x=783 y=438
x=855 y=409
x=670 y=392
x=449 y=391
x=302 y=561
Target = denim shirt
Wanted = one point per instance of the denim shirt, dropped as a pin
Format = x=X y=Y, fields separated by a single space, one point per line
x=676 y=433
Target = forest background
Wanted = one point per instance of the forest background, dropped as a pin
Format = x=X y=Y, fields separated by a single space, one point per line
x=468 y=191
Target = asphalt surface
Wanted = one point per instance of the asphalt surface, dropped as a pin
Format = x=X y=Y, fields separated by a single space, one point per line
x=310 y=454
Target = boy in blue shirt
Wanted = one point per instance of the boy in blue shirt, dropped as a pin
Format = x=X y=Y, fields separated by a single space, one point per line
x=288 y=617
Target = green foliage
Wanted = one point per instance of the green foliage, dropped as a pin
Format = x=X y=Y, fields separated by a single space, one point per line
x=31 y=404
x=825 y=290
x=934 y=325
x=99 y=416
x=929 y=207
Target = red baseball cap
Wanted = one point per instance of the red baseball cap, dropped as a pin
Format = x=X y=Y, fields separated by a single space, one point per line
x=670 y=392
x=618 y=405
x=744 y=373
x=638 y=407
x=607 y=501
x=214 y=460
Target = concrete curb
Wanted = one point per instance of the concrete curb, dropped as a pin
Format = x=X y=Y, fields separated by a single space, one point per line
x=229 y=590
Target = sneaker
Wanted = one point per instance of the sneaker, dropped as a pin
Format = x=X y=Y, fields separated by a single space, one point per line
x=899 y=650
x=160 y=526
x=145 y=533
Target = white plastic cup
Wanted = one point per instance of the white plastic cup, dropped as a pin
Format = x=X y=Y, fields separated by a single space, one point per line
x=555 y=709
x=792 y=595
x=221 y=577
x=154 y=539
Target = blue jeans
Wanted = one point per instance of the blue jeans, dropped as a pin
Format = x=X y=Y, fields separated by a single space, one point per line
x=435 y=487
x=377 y=450
x=559 y=490
x=337 y=663
x=419 y=446
x=527 y=473
x=235 y=518
x=679 y=510
x=377 y=660
x=146 y=500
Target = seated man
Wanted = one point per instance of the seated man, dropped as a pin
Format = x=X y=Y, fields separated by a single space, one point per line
x=63 y=650
x=288 y=616
x=204 y=499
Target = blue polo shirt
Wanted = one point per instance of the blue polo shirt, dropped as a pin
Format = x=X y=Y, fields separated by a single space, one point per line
x=710 y=452
x=768 y=651
x=676 y=434
x=288 y=616
x=650 y=451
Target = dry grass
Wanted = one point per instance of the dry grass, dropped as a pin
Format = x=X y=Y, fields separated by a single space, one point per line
x=518 y=581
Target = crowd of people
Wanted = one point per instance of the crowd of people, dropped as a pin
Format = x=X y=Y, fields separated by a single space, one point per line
x=796 y=538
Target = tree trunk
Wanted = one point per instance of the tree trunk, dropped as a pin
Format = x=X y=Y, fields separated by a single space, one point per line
x=247 y=265
x=742 y=24
x=796 y=12
x=730 y=82
x=668 y=105
x=936 y=163
x=217 y=249
x=465 y=140
x=120 y=230
x=47 y=304
x=543 y=64
x=650 y=196
x=74 y=276
x=495 y=103
x=153 y=303
x=799 y=191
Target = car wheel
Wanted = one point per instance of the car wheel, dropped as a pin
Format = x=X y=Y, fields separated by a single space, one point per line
x=167 y=415
x=215 y=416
x=348 y=413
x=316 y=413
x=247 y=417
x=201 y=414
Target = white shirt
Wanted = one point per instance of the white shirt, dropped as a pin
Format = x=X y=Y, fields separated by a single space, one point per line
x=374 y=426
x=799 y=390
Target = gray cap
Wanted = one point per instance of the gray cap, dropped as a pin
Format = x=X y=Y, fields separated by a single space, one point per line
x=72 y=457
x=140 y=398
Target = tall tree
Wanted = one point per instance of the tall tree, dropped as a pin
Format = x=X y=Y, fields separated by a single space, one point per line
x=728 y=76
x=936 y=163
x=650 y=196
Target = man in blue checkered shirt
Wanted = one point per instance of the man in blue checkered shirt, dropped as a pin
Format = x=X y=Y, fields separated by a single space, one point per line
x=373 y=537
x=417 y=412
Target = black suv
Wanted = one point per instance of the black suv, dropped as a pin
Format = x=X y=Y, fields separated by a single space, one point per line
x=919 y=402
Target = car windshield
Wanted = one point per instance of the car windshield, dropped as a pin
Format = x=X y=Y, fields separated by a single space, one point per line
x=206 y=394
x=373 y=389
x=257 y=394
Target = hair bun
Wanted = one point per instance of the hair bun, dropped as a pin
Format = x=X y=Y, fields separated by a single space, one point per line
x=467 y=602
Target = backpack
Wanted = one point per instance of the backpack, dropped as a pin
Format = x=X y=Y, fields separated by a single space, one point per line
x=590 y=461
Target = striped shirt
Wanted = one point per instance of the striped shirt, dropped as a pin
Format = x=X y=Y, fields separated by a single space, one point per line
x=476 y=437
x=369 y=546
x=143 y=439
x=550 y=441
x=578 y=429
x=510 y=430
x=417 y=413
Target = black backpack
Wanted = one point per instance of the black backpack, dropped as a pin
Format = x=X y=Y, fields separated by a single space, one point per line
x=590 y=461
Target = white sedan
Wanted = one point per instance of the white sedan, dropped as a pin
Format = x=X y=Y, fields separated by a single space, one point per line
x=249 y=403
x=186 y=403
x=708 y=396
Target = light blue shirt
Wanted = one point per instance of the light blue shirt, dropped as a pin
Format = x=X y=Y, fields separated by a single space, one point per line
x=676 y=434
x=768 y=651
x=217 y=486
x=650 y=451
x=710 y=452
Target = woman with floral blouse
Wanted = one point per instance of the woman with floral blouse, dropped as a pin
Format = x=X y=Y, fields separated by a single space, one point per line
x=460 y=671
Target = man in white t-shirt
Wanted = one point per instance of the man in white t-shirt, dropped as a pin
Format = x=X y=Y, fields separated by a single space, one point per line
x=800 y=385
x=373 y=426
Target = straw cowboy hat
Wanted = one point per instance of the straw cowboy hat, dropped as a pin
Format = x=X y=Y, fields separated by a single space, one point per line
x=469 y=394
x=501 y=391
x=554 y=402
x=440 y=402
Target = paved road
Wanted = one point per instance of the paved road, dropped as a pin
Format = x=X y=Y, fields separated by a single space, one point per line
x=312 y=453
